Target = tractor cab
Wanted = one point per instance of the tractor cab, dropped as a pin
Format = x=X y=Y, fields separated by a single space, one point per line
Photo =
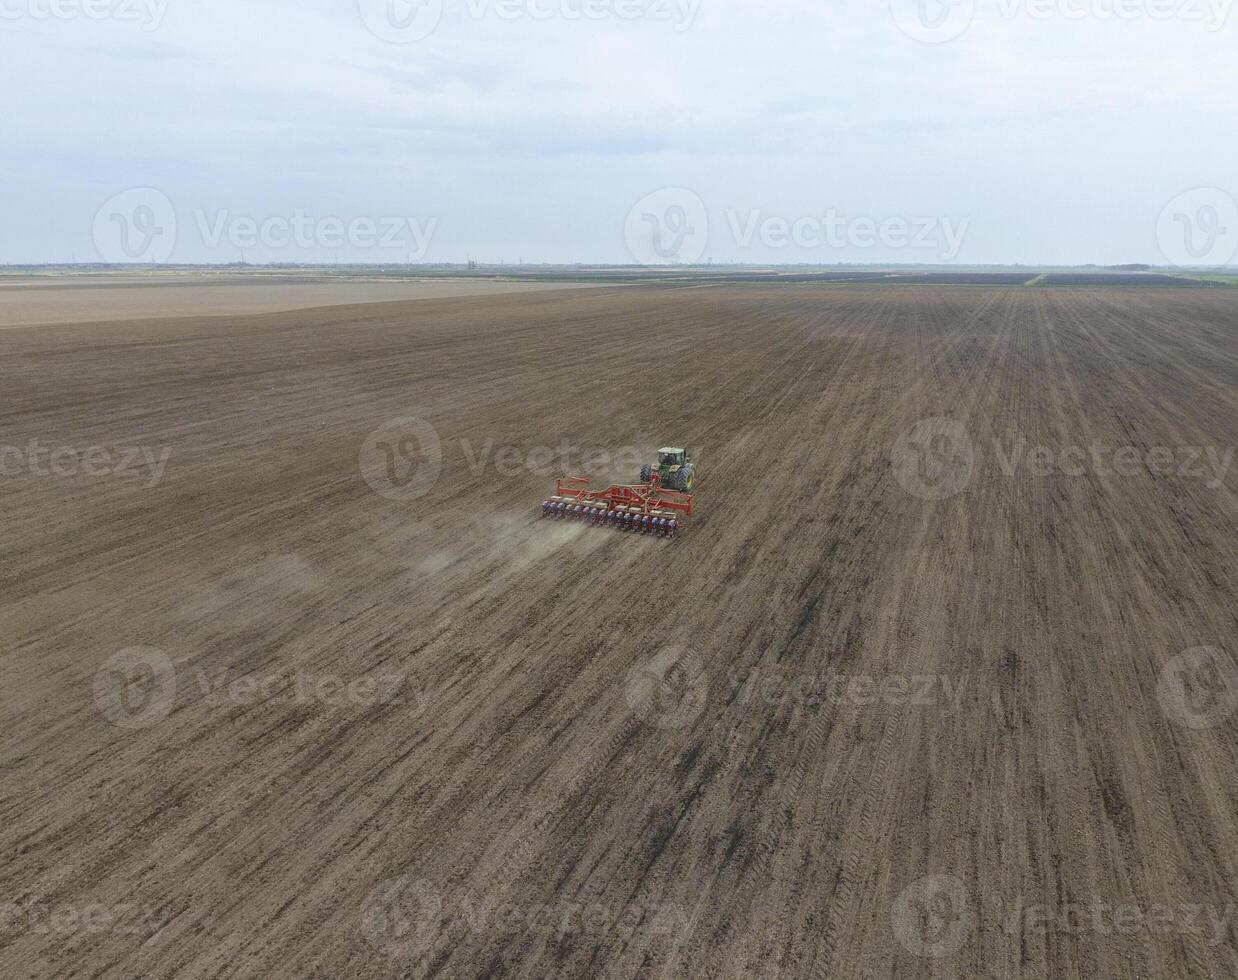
x=674 y=469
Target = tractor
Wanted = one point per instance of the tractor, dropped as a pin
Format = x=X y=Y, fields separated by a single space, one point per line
x=657 y=505
x=674 y=467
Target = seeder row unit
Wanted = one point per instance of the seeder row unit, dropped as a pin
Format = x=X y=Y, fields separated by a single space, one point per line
x=644 y=508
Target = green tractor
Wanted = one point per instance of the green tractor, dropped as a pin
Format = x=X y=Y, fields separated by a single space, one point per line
x=674 y=467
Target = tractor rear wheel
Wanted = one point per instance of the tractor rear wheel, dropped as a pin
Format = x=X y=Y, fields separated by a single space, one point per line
x=683 y=482
x=646 y=473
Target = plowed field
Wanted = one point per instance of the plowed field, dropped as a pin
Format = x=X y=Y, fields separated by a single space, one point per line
x=940 y=681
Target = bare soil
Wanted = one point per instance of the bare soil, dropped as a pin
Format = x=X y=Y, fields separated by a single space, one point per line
x=904 y=701
x=26 y=302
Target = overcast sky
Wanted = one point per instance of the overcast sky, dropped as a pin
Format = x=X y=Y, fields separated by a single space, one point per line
x=1008 y=131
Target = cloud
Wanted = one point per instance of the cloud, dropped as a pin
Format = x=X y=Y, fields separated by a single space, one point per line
x=533 y=135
